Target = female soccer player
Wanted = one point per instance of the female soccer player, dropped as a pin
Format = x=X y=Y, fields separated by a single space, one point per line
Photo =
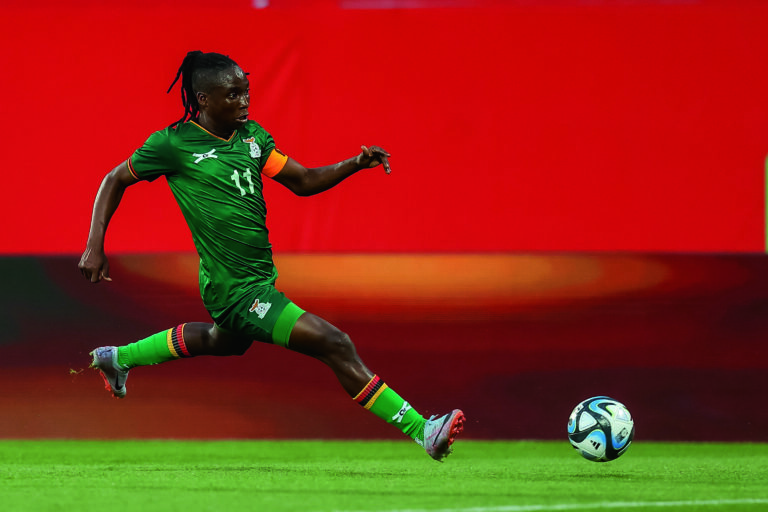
x=213 y=159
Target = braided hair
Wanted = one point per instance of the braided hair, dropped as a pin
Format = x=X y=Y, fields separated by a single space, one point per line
x=198 y=71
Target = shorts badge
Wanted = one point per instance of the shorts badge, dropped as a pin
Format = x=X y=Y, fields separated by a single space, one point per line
x=260 y=308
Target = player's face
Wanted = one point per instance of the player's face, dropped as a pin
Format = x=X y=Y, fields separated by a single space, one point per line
x=225 y=106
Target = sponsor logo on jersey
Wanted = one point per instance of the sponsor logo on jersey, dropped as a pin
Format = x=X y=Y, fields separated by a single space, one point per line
x=255 y=149
x=260 y=308
x=203 y=156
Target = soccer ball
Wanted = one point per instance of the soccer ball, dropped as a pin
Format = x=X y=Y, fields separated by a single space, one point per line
x=601 y=429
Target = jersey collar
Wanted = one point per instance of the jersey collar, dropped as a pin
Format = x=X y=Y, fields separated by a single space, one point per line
x=214 y=135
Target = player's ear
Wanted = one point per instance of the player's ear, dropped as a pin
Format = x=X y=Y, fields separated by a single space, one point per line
x=202 y=99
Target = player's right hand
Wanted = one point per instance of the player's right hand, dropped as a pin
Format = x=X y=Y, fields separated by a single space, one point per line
x=94 y=265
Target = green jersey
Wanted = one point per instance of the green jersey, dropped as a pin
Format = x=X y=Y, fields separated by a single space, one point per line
x=217 y=184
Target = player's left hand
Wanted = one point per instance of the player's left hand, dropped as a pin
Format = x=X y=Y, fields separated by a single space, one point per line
x=374 y=156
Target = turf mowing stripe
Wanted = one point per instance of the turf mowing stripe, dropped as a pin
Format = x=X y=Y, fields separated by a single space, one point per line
x=582 y=506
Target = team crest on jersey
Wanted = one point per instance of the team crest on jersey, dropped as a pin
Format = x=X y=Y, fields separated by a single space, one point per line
x=255 y=149
x=260 y=308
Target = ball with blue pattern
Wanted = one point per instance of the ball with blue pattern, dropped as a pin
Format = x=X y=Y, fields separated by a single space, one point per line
x=601 y=429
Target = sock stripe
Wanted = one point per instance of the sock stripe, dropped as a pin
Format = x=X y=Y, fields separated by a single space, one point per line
x=371 y=392
x=375 y=396
x=178 y=341
x=175 y=341
x=169 y=342
x=371 y=383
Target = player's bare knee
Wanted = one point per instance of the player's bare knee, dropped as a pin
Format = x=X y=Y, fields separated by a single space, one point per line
x=339 y=347
x=225 y=345
x=207 y=339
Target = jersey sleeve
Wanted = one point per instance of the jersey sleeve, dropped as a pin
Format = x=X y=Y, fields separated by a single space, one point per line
x=153 y=159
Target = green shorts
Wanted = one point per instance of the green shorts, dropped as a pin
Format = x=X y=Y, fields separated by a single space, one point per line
x=264 y=314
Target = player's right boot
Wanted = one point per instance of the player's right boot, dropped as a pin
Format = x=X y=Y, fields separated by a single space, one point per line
x=440 y=433
x=105 y=360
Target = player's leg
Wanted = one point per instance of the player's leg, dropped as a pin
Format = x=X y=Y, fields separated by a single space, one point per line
x=315 y=337
x=185 y=340
x=249 y=317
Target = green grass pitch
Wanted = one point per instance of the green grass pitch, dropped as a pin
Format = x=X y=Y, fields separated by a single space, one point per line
x=321 y=476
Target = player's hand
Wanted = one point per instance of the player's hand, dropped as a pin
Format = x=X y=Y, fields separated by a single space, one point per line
x=94 y=265
x=374 y=156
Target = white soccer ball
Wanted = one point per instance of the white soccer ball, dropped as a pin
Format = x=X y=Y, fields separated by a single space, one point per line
x=601 y=429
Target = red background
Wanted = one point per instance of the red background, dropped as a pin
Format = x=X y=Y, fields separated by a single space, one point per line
x=569 y=126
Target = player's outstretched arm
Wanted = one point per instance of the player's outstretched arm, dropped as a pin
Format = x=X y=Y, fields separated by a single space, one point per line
x=306 y=182
x=93 y=263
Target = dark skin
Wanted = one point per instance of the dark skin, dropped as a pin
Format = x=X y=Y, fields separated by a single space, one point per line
x=223 y=109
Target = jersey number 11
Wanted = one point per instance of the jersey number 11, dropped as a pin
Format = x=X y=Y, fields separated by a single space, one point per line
x=247 y=175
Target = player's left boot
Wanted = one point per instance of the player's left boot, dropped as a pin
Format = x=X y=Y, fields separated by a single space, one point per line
x=105 y=360
x=440 y=433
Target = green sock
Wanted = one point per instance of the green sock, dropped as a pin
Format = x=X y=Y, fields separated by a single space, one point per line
x=158 y=348
x=382 y=401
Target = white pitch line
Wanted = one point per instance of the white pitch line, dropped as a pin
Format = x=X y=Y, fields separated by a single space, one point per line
x=582 y=506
